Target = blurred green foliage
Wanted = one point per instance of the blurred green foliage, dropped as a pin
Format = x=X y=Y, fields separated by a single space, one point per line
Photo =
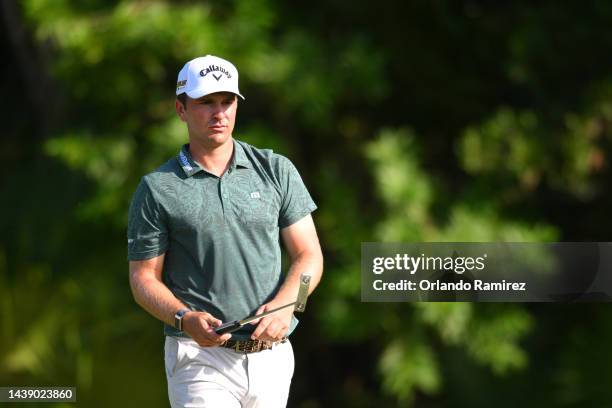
x=417 y=121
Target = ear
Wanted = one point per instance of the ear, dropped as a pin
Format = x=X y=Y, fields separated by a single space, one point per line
x=180 y=110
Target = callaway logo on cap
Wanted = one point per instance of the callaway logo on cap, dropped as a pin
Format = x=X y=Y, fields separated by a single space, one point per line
x=205 y=75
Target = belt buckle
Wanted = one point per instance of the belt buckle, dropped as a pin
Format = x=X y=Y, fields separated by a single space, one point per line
x=246 y=346
x=253 y=346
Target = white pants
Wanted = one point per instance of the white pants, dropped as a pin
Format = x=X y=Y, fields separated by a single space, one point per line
x=218 y=377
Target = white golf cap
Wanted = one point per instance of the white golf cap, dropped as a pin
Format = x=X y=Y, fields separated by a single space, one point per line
x=205 y=75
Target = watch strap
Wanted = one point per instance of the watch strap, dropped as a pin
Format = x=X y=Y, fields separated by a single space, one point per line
x=178 y=318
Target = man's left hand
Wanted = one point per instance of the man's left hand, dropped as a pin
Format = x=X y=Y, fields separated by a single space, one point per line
x=272 y=327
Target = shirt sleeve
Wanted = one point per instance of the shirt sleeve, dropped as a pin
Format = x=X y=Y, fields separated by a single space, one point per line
x=296 y=202
x=147 y=230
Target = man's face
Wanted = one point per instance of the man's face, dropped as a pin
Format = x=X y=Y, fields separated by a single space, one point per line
x=210 y=119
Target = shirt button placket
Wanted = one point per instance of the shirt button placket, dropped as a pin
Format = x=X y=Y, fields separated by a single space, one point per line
x=223 y=192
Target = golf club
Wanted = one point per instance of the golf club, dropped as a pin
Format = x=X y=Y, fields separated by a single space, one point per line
x=300 y=303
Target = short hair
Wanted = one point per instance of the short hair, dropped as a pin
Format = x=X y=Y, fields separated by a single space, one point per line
x=182 y=98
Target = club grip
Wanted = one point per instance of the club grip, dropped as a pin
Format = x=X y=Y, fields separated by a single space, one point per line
x=228 y=327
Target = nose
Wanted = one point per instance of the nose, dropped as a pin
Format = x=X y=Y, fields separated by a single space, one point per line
x=218 y=110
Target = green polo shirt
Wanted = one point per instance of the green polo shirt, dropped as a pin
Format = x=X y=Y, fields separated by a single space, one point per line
x=220 y=235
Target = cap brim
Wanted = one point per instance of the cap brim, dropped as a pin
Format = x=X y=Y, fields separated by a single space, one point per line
x=198 y=93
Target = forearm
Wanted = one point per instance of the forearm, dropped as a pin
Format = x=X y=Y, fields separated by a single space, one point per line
x=309 y=262
x=155 y=297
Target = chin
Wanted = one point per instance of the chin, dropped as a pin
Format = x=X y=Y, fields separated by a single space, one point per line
x=218 y=138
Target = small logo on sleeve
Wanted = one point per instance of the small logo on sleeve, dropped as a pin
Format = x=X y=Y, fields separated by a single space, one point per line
x=255 y=194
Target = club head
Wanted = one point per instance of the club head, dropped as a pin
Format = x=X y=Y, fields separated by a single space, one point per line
x=300 y=304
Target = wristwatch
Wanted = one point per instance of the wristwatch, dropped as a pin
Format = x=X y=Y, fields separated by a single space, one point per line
x=178 y=319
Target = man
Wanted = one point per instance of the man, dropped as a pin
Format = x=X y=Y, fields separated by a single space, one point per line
x=203 y=245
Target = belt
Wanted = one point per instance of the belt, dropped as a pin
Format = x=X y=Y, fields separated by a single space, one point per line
x=249 y=346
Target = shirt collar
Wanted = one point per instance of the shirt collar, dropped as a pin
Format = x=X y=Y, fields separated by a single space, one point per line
x=239 y=158
x=191 y=167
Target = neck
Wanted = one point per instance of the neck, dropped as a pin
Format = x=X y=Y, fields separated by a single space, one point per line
x=215 y=160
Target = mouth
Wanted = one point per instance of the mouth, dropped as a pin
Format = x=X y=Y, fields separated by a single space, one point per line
x=217 y=127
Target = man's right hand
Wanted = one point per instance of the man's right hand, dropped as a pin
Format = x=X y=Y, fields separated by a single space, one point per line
x=200 y=326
